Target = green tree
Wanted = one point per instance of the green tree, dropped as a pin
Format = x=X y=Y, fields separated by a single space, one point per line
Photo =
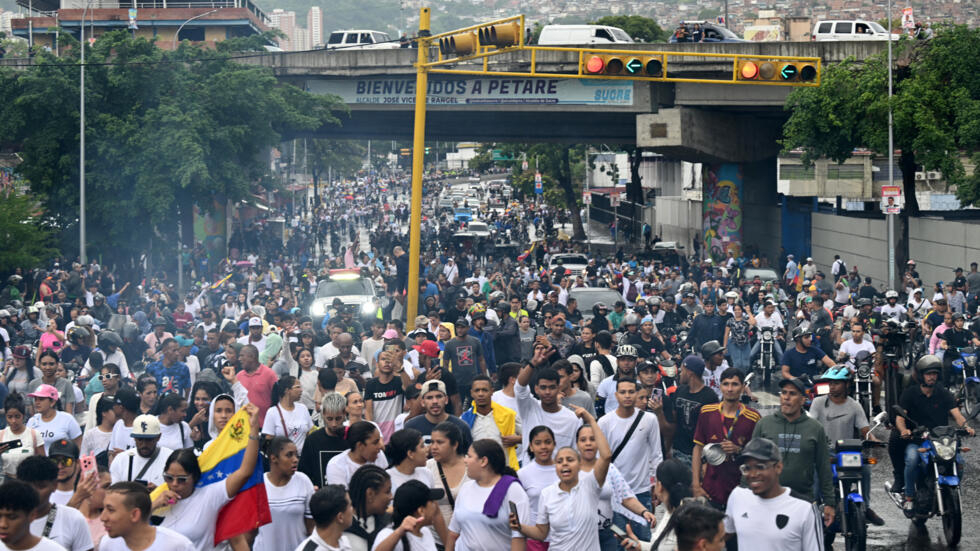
x=642 y=29
x=936 y=110
x=25 y=240
x=165 y=131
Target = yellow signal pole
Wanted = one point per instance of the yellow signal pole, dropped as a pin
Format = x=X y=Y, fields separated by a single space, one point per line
x=418 y=161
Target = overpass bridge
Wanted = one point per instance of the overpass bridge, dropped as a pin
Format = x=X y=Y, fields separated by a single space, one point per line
x=691 y=121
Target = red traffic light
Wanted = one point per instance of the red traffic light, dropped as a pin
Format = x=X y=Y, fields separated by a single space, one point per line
x=749 y=70
x=594 y=65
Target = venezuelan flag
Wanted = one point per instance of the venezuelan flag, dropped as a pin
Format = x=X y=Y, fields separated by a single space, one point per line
x=250 y=508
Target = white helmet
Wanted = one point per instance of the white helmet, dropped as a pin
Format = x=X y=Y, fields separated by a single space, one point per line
x=891 y=294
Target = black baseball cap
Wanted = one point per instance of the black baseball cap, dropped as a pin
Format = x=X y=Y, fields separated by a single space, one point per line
x=414 y=494
x=761 y=449
x=795 y=382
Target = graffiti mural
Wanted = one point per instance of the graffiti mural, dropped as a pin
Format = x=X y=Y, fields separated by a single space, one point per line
x=722 y=200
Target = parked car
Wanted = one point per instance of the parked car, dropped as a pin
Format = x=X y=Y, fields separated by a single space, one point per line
x=573 y=35
x=849 y=29
x=588 y=296
x=574 y=263
x=361 y=40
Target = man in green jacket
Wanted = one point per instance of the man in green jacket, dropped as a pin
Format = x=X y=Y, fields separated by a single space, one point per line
x=803 y=444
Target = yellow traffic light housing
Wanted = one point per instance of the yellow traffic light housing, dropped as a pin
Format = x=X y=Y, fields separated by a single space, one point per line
x=462 y=44
x=623 y=65
x=764 y=70
x=504 y=35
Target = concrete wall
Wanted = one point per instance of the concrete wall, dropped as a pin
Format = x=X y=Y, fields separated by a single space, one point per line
x=678 y=219
x=861 y=242
x=939 y=247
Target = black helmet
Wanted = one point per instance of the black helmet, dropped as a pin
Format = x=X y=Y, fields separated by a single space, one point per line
x=159 y=321
x=109 y=338
x=130 y=330
x=598 y=306
x=801 y=331
x=958 y=317
x=927 y=364
x=863 y=302
x=711 y=348
x=78 y=335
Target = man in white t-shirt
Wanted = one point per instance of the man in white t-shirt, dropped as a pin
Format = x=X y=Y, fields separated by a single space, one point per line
x=764 y=515
x=126 y=517
x=856 y=344
x=17 y=504
x=332 y=514
x=546 y=409
x=638 y=456
x=69 y=528
x=145 y=461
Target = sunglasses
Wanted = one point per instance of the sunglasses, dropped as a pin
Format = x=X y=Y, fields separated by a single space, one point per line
x=65 y=461
x=108 y=377
x=170 y=479
x=745 y=468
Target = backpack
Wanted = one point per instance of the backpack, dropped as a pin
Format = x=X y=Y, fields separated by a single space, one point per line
x=605 y=363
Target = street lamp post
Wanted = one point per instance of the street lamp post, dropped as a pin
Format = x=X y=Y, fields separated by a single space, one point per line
x=176 y=34
x=82 y=257
x=892 y=276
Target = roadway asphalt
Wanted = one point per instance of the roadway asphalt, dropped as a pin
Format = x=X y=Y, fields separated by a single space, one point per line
x=898 y=533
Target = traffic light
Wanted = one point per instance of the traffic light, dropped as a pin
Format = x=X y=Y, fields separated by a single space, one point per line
x=501 y=36
x=462 y=44
x=428 y=150
x=624 y=65
x=775 y=71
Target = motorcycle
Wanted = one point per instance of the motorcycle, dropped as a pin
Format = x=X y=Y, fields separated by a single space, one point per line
x=967 y=391
x=892 y=339
x=937 y=489
x=849 y=457
x=863 y=388
x=767 y=357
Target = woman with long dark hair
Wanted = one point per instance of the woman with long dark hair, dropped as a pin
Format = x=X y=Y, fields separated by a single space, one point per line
x=538 y=474
x=289 y=494
x=407 y=454
x=197 y=410
x=287 y=417
x=21 y=371
x=370 y=495
x=447 y=467
x=481 y=516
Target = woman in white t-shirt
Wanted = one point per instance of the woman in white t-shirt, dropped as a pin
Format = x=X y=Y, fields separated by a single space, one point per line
x=307 y=377
x=407 y=453
x=50 y=423
x=96 y=438
x=194 y=511
x=30 y=441
x=415 y=510
x=616 y=495
x=175 y=433
x=364 y=440
x=538 y=474
x=447 y=467
x=479 y=522
x=288 y=417
x=289 y=495
x=370 y=496
x=567 y=509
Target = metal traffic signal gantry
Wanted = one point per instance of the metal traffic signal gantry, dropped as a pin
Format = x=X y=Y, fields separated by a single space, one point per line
x=475 y=45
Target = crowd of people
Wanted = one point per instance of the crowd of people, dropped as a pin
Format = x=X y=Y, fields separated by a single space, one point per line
x=505 y=418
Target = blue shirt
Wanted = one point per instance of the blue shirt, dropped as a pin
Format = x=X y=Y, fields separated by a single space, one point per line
x=177 y=378
x=808 y=362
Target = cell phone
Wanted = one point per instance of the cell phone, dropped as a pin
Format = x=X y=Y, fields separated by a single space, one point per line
x=513 y=508
x=88 y=464
x=658 y=393
x=12 y=444
x=618 y=532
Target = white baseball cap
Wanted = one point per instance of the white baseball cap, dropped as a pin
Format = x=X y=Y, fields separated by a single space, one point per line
x=255 y=322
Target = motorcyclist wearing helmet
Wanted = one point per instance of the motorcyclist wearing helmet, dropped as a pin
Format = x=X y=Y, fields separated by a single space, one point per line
x=110 y=347
x=952 y=340
x=927 y=405
x=31 y=327
x=600 y=321
x=769 y=317
x=631 y=324
x=647 y=341
x=100 y=310
x=843 y=418
x=708 y=326
x=893 y=310
x=803 y=358
x=76 y=353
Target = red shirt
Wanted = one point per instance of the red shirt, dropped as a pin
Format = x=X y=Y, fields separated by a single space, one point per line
x=259 y=386
x=719 y=481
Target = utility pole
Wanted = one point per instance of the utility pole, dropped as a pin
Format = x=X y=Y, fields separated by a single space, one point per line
x=892 y=279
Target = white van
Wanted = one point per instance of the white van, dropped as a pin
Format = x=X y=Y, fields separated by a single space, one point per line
x=574 y=35
x=849 y=29
x=361 y=40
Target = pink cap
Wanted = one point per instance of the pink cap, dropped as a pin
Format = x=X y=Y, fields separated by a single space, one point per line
x=45 y=391
x=390 y=334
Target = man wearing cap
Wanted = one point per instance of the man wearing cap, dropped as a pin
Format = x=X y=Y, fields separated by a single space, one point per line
x=488 y=419
x=648 y=342
x=65 y=454
x=428 y=356
x=412 y=499
x=463 y=357
x=803 y=358
x=506 y=338
x=145 y=462
x=434 y=400
x=687 y=401
x=764 y=515
x=625 y=369
x=803 y=445
x=171 y=374
x=254 y=336
x=792 y=270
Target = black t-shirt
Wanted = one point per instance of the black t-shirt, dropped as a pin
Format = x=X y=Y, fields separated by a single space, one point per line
x=687 y=407
x=644 y=348
x=956 y=338
x=931 y=411
x=318 y=450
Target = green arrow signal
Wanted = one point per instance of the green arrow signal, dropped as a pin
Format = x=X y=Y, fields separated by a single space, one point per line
x=788 y=72
x=634 y=65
